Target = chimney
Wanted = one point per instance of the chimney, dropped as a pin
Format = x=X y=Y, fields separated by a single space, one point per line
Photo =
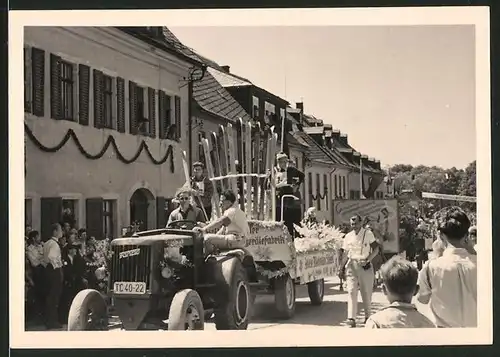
x=343 y=139
x=300 y=105
x=336 y=134
x=226 y=69
x=377 y=165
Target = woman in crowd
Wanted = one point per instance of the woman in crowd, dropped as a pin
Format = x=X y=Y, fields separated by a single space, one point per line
x=34 y=253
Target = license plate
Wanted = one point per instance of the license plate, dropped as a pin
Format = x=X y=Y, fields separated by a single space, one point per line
x=122 y=287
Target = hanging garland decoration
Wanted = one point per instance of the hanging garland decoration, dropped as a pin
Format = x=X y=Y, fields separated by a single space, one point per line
x=110 y=141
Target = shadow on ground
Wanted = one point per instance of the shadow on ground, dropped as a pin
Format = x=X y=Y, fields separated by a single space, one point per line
x=329 y=313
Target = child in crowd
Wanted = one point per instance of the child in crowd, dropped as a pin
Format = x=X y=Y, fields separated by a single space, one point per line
x=399 y=278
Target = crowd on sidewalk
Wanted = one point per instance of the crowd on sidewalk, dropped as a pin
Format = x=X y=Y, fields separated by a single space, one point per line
x=56 y=269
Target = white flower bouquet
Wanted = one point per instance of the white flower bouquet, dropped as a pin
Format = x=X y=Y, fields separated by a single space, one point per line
x=317 y=237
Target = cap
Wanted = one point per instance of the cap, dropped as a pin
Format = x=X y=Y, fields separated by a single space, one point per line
x=281 y=155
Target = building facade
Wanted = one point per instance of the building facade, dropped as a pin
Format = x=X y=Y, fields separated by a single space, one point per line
x=106 y=116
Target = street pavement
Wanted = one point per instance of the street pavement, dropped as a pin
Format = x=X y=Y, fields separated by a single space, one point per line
x=332 y=312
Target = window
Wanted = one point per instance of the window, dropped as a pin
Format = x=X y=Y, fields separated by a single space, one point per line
x=108 y=222
x=177 y=108
x=164 y=114
x=67 y=90
x=28 y=212
x=107 y=99
x=201 y=152
x=344 y=188
x=310 y=188
x=335 y=186
x=318 y=192
x=325 y=183
x=70 y=214
x=255 y=107
x=352 y=195
x=142 y=124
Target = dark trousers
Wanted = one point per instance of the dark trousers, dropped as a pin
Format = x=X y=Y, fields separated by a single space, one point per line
x=39 y=289
x=292 y=215
x=54 y=281
x=208 y=210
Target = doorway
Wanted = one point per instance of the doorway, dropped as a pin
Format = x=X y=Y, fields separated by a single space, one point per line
x=142 y=209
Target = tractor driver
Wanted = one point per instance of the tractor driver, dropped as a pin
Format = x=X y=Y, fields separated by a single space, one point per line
x=186 y=211
x=232 y=225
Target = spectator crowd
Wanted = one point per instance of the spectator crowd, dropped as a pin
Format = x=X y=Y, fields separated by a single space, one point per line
x=57 y=268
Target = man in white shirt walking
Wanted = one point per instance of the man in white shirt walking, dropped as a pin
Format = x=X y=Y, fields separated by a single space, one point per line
x=449 y=282
x=359 y=248
x=52 y=261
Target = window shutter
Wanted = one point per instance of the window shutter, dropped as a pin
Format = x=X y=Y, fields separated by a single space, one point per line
x=120 y=103
x=132 y=99
x=152 y=112
x=83 y=93
x=165 y=111
x=95 y=212
x=55 y=87
x=161 y=220
x=38 y=81
x=98 y=99
x=28 y=80
x=178 y=117
x=51 y=212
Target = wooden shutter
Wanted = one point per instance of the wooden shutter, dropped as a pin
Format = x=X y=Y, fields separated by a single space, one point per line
x=120 y=104
x=28 y=80
x=38 y=81
x=161 y=219
x=55 y=87
x=95 y=217
x=152 y=112
x=51 y=212
x=98 y=99
x=178 y=117
x=132 y=99
x=83 y=93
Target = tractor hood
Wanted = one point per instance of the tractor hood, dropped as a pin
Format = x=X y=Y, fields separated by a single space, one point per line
x=172 y=237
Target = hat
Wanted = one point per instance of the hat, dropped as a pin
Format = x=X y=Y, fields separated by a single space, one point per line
x=281 y=155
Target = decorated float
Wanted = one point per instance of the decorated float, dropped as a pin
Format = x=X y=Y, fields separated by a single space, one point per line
x=242 y=159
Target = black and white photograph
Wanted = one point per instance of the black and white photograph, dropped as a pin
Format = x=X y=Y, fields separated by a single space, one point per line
x=280 y=177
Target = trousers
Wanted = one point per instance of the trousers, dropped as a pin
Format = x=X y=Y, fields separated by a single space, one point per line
x=358 y=279
x=224 y=241
x=55 y=281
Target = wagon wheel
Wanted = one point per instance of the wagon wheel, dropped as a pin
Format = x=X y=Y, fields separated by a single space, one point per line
x=186 y=311
x=88 y=312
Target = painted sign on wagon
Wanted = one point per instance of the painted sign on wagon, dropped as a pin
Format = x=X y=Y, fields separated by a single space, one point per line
x=313 y=266
x=381 y=215
x=268 y=242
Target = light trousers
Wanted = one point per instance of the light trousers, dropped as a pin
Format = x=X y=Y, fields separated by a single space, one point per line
x=358 y=279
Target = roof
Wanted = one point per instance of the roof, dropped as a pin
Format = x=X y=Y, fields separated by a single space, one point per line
x=315 y=151
x=214 y=98
x=293 y=110
x=228 y=80
x=313 y=130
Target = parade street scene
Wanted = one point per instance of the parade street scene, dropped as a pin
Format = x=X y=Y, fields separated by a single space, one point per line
x=218 y=178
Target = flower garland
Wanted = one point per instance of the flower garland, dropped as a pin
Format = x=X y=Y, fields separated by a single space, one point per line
x=109 y=142
x=271 y=274
x=317 y=237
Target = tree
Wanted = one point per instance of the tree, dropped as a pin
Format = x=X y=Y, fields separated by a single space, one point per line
x=467 y=185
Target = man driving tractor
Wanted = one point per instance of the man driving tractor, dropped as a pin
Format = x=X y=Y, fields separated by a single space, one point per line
x=232 y=225
x=186 y=211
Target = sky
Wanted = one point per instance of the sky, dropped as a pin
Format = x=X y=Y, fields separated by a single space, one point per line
x=403 y=94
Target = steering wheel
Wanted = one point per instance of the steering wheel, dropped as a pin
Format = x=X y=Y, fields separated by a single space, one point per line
x=184 y=224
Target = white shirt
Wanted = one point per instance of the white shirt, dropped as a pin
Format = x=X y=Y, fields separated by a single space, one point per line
x=200 y=185
x=239 y=223
x=52 y=253
x=357 y=246
x=35 y=254
x=451 y=283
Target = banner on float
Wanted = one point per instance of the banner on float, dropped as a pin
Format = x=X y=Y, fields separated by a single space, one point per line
x=313 y=266
x=381 y=215
x=268 y=242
